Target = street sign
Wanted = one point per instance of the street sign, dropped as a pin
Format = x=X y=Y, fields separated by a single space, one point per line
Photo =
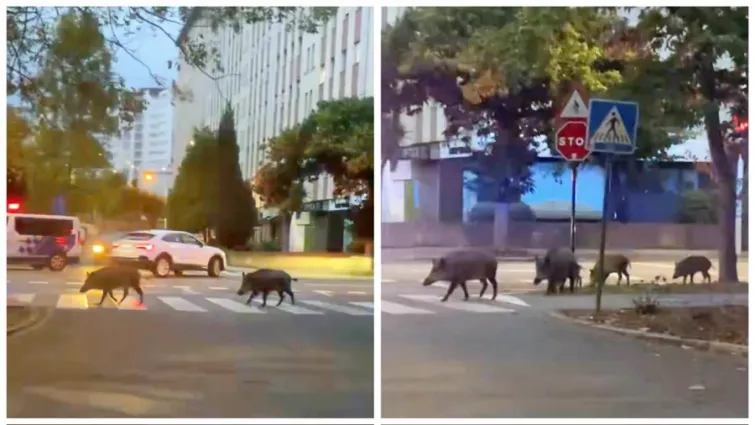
x=571 y=141
x=612 y=126
x=573 y=109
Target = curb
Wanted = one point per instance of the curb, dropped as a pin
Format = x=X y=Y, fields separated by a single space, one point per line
x=35 y=317
x=236 y=271
x=722 y=347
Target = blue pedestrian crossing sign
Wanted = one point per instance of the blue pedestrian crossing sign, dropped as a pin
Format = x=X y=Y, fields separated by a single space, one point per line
x=612 y=126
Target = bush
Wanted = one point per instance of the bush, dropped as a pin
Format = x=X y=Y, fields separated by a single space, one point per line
x=697 y=206
x=646 y=304
x=266 y=246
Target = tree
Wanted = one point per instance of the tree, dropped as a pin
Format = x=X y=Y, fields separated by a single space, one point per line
x=18 y=132
x=31 y=35
x=192 y=202
x=236 y=213
x=497 y=71
x=695 y=40
x=337 y=139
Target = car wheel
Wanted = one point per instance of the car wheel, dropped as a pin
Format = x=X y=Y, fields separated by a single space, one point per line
x=162 y=266
x=213 y=269
x=57 y=262
x=178 y=272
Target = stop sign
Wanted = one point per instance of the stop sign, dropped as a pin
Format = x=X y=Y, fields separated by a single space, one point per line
x=571 y=141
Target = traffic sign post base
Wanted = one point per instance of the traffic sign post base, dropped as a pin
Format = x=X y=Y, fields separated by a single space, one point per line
x=603 y=224
x=573 y=216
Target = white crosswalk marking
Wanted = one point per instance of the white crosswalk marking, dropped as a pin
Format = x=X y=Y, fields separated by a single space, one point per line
x=396 y=308
x=325 y=293
x=73 y=301
x=234 y=306
x=459 y=305
x=21 y=298
x=338 y=308
x=73 y=283
x=37 y=282
x=364 y=304
x=180 y=304
x=511 y=300
x=294 y=309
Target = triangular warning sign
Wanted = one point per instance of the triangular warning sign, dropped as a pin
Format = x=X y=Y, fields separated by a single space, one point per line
x=575 y=107
x=612 y=130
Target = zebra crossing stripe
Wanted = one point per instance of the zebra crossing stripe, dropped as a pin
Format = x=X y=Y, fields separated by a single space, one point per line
x=511 y=300
x=180 y=304
x=131 y=304
x=21 y=298
x=396 y=308
x=294 y=309
x=73 y=302
x=473 y=307
x=337 y=308
x=234 y=306
x=364 y=304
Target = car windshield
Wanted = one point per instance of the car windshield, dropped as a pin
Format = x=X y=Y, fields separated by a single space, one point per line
x=139 y=236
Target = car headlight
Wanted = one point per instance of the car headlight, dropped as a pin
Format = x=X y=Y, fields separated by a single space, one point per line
x=98 y=249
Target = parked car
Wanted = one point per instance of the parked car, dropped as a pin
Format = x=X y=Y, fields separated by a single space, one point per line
x=163 y=251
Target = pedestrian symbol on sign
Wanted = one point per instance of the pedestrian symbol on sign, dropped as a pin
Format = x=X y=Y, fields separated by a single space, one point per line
x=612 y=130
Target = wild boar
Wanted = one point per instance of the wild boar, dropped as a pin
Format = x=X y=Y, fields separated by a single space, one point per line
x=613 y=263
x=458 y=267
x=112 y=277
x=692 y=265
x=556 y=266
x=264 y=281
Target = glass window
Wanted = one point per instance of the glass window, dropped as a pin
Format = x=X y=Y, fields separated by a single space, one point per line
x=34 y=226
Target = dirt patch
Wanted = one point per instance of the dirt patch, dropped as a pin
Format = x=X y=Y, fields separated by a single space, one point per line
x=18 y=315
x=669 y=288
x=726 y=323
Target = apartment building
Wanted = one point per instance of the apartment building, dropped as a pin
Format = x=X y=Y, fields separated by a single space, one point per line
x=273 y=78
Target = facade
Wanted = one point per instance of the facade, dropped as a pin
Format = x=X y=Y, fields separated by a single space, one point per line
x=145 y=146
x=275 y=78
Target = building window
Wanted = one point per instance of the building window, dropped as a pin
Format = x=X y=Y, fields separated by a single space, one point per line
x=418 y=123
x=323 y=48
x=342 y=84
x=434 y=121
x=321 y=92
x=333 y=41
x=358 y=26
x=355 y=79
x=331 y=88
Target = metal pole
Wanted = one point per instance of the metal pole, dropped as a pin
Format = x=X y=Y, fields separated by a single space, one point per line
x=603 y=223
x=573 y=216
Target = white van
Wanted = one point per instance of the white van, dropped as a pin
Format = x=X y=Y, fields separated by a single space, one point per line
x=40 y=241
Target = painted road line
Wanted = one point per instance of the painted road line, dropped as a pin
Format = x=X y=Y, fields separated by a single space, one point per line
x=187 y=290
x=511 y=300
x=388 y=281
x=180 y=304
x=73 y=301
x=73 y=283
x=131 y=304
x=337 y=308
x=364 y=304
x=218 y=288
x=37 y=282
x=471 y=307
x=293 y=309
x=325 y=293
x=396 y=308
x=21 y=298
x=356 y=293
x=646 y=264
x=234 y=306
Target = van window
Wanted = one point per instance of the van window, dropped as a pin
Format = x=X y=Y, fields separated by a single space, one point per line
x=139 y=236
x=35 y=226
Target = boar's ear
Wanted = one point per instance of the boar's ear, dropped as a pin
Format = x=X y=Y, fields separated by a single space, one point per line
x=441 y=263
x=243 y=275
x=89 y=273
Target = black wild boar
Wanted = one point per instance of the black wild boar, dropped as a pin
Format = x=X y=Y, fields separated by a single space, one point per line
x=112 y=277
x=692 y=265
x=265 y=281
x=458 y=267
x=556 y=266
x=613 y=263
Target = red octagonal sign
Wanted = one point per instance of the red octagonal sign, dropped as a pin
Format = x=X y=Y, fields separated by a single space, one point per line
x=571 y=141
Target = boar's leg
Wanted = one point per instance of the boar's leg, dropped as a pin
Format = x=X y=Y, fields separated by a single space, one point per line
x=290 y=294
x=706 y=276
x=264 y=298
x=484 y=286
x=626 y=273
x=104 y=294
x=280 y=297
x=495 y=287
x=249 y=301
x=139 y=291
x=450 y=291
x=463 y=284
x=112 y=296
x=692 y=278
x=125 y=294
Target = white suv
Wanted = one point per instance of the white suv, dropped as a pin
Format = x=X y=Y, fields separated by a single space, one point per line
x=163 y=251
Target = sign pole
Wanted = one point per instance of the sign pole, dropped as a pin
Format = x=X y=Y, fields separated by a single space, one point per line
x=603 y=224
x=573 y=216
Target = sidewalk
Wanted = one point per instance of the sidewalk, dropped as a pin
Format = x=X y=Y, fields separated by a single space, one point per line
x=425 y=254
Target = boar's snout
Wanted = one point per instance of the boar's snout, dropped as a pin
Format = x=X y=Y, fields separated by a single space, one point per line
x=428 y=281
x=243 y=289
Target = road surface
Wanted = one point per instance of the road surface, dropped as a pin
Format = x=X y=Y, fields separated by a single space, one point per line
x=192 y=350
x=483 y=359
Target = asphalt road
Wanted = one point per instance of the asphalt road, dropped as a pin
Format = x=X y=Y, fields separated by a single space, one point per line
x=192 y=350
x=518 y=275
x=483 y=359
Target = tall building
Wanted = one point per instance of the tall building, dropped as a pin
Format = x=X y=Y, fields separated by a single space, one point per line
x=274 y=79
x=144 y=148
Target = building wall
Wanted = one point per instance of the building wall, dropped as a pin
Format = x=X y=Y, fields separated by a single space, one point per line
x=274 y=80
